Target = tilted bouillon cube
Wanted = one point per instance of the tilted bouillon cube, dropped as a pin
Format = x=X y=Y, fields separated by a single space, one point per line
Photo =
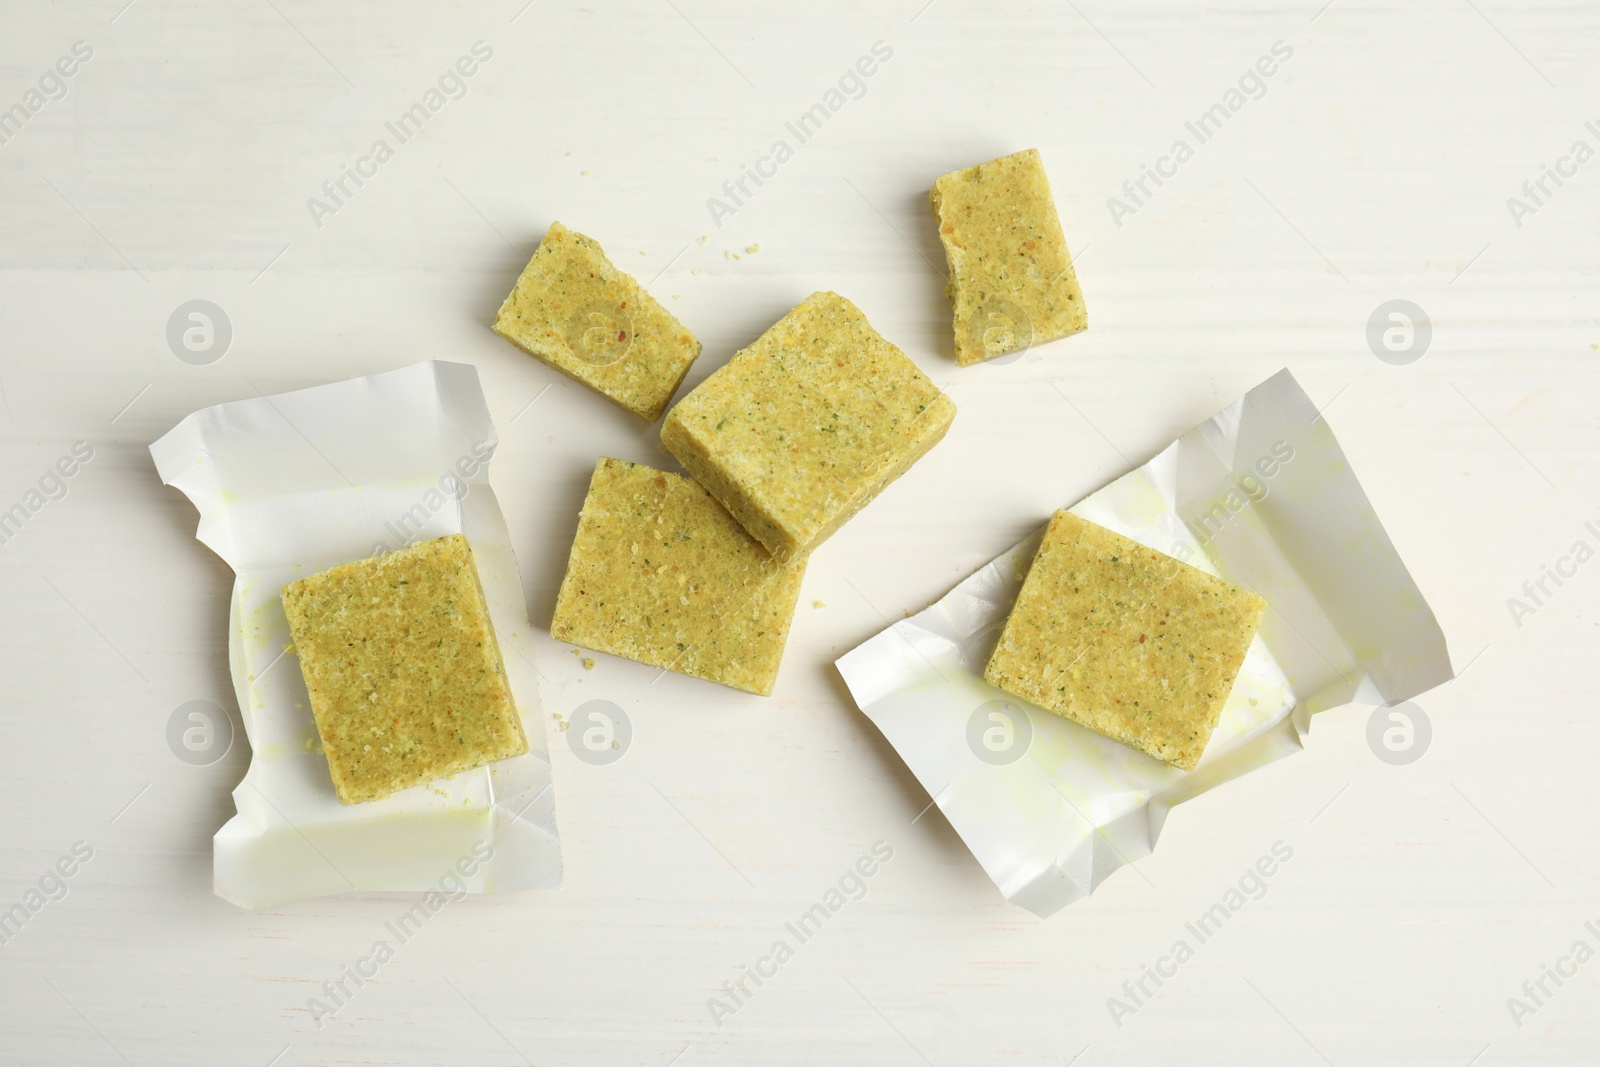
x=802 y=429
x=575 y=311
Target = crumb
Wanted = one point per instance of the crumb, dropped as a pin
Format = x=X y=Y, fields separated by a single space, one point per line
x=588 y=664
x=818 y=604
x=753 y=249
x=702 y=238
x=642 y=252
x=695 y=271
x=730 y=255
x=585 y=174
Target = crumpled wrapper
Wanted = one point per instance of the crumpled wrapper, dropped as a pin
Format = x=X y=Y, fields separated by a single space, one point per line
x=1260 y=495
x=293 y=484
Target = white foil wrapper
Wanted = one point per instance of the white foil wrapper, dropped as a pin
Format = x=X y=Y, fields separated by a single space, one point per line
x=1260 y=495
x=293 y=484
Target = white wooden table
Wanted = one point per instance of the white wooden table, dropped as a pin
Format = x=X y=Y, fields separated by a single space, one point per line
x=176 y=164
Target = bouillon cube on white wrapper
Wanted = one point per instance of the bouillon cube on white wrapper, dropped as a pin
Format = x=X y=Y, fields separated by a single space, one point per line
x=293 y=484
x=1260 y=495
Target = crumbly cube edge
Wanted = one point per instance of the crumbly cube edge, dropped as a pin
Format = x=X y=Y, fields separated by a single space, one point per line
x=1012 y=284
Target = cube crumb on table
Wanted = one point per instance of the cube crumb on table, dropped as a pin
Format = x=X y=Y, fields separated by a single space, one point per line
x=403 y=669
x=661 y=574
x=575 y=311
x=807 y=425
x=1125 y=640
x=1011 y=282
